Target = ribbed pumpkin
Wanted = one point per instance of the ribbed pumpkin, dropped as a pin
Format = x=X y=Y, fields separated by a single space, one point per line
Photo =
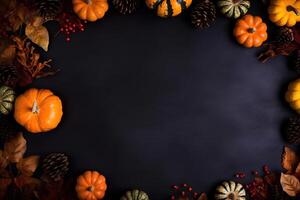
x=38 y=110
x=292 y=95
x=7 y=97
x=234 y=8
x=250 y=31
x=91 y=185
x=135 y=195
x=168 y=8
x=230 y=190
x=90 y=10
x=284 y=12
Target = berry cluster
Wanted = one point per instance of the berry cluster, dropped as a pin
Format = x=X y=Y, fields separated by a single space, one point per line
x=184 y=191
x=259 y=187
x=69 y=23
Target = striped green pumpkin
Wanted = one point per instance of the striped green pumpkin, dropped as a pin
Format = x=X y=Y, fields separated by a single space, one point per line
x=135 y=195
x=234 y=8
x=7 y=98
x=230 y=190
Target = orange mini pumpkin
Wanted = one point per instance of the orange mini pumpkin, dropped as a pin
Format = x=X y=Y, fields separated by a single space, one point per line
x=38 y=110
x=250 y=31
x=90 y=10
x=91 y=185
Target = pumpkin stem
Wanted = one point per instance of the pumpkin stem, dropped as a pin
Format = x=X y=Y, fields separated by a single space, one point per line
x=292 y=9
x=251 y=30
x=35 y=107
x=236 y=1
x=90 y=188
x=232 y=196
x=88 y=1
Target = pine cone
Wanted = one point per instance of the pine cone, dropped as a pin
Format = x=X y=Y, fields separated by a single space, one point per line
x=55 y=166
x=203 y=14
x=8 y=129
x=8 y=75
x=285 y=35
x=49 y=9
x=292 y=130
x=125 y=6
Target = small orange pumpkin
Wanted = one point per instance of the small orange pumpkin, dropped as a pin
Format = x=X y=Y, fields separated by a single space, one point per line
x=90 y=10
x=250 y=31
x=91 y=185
x=38 y=110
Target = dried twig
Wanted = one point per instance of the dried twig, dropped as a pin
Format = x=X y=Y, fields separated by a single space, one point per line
x=29 y=59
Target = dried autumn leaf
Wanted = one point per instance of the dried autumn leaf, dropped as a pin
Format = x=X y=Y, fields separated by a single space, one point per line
x=15 y=148
x=27 y=182
x=7 y=55
x=38 y=35
x=3 y=160
x=27 y=166
x=290 y=184
x=203 y=196
x=289 y=160
x=19 y=17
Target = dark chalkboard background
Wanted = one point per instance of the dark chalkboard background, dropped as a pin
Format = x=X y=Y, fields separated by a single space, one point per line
x=151 y=102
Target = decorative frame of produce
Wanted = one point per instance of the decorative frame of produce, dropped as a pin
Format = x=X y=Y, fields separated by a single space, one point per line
x=40 y=110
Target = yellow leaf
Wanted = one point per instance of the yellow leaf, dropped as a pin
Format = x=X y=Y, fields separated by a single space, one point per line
x=38 y=35
x=290 y=184
x=27 y=166
x=15 y=148
x=289 y=160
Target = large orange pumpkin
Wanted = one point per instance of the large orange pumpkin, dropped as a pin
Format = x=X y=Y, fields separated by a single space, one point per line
x=250 y=31
x=91 y=185
x=90 y=10
x=38 y=110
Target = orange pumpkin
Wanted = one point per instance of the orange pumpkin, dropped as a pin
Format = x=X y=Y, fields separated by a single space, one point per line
x=90 y=10
x=91 y=185
x=38 y=110
x=250 y=31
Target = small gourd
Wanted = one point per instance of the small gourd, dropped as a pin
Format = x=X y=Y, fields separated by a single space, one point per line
x=234 y=8
x=292 y=95
x=230 y=190
x=38 y=110
x=135 y=195
x=7 y=97
x=90 y=10
x=250 y=31
x=284 y=12
x=168 y=8
x=91 y=185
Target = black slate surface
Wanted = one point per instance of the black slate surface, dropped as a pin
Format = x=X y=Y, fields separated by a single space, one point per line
x=152 y=102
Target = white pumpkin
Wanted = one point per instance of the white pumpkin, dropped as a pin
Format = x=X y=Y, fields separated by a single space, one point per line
x=230 y=190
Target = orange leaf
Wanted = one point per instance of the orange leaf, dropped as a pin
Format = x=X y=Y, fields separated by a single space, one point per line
x=289 y=160
x=290 y=184
x=15 y=148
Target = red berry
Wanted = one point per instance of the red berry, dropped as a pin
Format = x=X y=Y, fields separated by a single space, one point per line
x=175 y=187
x=68 y=39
